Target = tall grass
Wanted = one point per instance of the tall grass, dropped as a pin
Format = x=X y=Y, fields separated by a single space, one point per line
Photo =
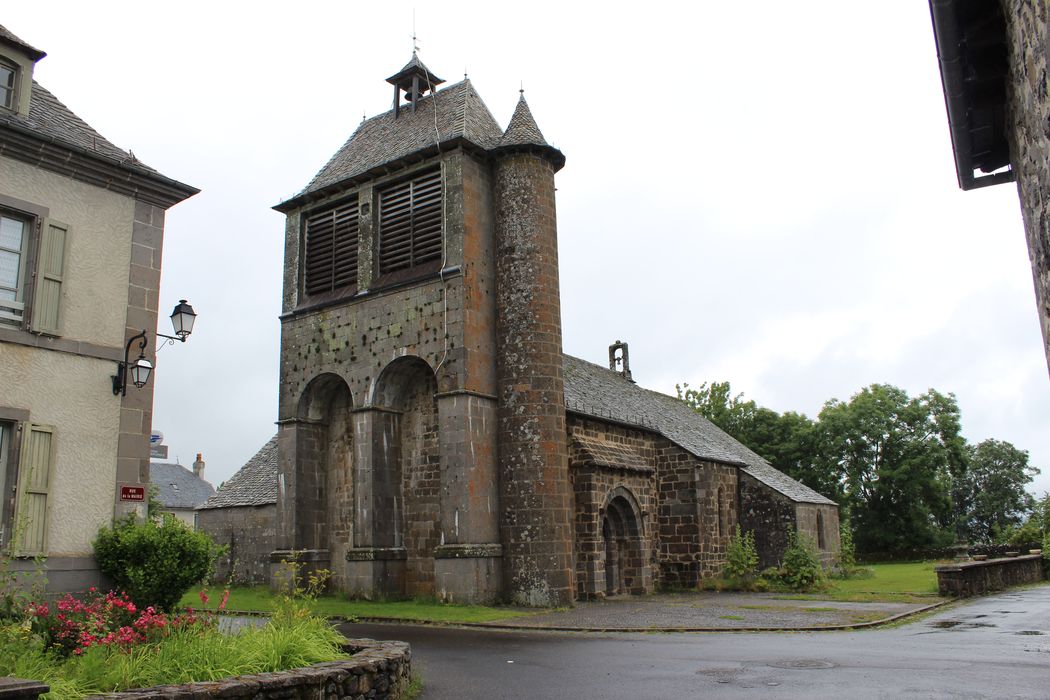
x=193 y=654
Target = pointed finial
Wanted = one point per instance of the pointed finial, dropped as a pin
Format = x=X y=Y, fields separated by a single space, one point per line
x=415 y=44
x=521 y=89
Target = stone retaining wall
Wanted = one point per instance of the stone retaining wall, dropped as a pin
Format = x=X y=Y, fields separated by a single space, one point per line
x=377 y=671
x=977 y=577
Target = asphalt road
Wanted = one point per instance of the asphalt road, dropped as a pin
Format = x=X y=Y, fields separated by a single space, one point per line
x=992 y=647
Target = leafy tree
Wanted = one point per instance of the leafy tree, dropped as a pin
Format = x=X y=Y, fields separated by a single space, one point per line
x=897 y=457
x=993 y=494
x=787 y=441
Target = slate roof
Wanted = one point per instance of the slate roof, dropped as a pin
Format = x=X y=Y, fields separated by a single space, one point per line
x=522 y=130
x=7 y=37
x=254 y=484
x=601 y=393
x=606 y=454
x=461 y=114
x=49 y=118
x=177 y=486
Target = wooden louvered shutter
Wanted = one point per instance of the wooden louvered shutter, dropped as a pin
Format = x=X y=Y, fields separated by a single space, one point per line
x=331 y=249
x=410 y=223
x=47 y=293
x=34 y=485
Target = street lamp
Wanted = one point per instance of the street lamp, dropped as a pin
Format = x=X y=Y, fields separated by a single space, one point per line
x=182 y=319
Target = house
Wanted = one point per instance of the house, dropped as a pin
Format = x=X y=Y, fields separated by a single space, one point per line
x=81 y=232
x=179 y=490
x=993 y=61
x=433 y=439
x=242 y=515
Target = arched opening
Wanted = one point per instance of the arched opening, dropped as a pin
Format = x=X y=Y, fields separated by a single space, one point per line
x=324 y=448
x=624 y=559
x=407 y=475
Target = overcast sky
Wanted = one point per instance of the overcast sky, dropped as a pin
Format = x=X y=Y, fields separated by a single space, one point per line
x=756 y=192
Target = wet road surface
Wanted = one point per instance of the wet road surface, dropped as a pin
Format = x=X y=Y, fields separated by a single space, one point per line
x=992 y=647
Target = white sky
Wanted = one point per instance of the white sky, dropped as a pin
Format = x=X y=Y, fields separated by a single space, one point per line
x=756 y=192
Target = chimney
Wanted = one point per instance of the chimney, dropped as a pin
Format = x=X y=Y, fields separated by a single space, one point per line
x=198 y=467
x=618 y=356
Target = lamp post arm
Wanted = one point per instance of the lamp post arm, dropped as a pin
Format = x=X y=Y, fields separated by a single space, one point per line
x=120 y=383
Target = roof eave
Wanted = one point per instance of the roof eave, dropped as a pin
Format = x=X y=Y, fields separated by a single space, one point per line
x=392 y=166
x=25 y=144
x=947 y=36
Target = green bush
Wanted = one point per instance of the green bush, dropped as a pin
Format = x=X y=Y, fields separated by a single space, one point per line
x=741 y=556
x=800 y=568
x=847 y=550
x=154 y=563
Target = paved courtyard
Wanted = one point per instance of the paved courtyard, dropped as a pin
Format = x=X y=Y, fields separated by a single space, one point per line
x=992 y=647
x=712 y=610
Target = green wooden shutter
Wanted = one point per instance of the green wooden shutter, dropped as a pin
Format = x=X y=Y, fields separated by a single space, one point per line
x=34 y=485
x=50 y=268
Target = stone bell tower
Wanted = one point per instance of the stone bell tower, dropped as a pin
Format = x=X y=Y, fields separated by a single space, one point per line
x=535 y=493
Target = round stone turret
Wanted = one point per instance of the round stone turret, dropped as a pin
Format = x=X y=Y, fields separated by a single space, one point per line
x=535 y=493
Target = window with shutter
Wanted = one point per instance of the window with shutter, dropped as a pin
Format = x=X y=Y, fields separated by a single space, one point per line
x=410 y=223
x=47 y=297
x=34 y=485
x=331 y=249
x=14 y=246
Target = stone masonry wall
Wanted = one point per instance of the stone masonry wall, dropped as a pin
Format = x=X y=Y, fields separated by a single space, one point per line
x=535 y=495
x=811 y=519
x=694 y=526
x=376 y=671
x=593 y=485
x=1028 y=128
x=250 y=534
x=770 y=515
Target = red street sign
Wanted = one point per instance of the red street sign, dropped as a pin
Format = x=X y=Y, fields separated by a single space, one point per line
x=133 y=493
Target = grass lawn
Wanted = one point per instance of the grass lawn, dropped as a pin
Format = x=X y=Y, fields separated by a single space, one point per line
x=259 y=599
x=909 y=582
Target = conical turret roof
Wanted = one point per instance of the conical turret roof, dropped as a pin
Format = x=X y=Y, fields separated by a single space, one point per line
x=523 y=130
x=523 y=134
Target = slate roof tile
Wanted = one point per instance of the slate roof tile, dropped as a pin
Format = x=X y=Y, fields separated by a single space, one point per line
x=601 y=393
x=383 y=139
x=177 y=486
x=522 y=130
x=254 y=484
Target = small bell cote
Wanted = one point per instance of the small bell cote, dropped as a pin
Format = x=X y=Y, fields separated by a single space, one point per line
x=415 y=80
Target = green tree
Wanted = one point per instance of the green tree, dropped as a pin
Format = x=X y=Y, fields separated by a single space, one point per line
x=993 y=496
x=787 y=441
x=898 y=458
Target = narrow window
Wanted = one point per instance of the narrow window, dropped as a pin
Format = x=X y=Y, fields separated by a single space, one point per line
x=8 y=73
x=722 y=524
x=14 y=241
x=820 y=530
x=410 y=223
x=331 y=249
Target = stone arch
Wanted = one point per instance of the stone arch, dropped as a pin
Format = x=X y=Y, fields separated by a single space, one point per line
x=324 y=442
x=623 y=554
x=406 y=476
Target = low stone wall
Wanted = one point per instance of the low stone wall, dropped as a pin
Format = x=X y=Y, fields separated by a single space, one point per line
x=970 y=578
x=377 y=671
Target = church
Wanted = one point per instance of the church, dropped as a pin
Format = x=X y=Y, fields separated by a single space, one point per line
x=433 y=439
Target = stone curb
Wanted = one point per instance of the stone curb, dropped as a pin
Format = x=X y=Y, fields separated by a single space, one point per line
x=632 y=630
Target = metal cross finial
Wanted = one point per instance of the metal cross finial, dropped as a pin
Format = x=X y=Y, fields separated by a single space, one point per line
x=521 y=89
x=415 y=43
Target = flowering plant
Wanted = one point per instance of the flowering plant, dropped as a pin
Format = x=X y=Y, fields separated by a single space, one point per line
x=70 y=625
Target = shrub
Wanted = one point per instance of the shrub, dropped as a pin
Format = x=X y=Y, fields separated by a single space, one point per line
x=847 y=550
x=801 y=569
x=154 y=563
x=741 y=556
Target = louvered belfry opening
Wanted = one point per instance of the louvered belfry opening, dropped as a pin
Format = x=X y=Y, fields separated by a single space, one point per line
x=331 y=249
x=410 y=222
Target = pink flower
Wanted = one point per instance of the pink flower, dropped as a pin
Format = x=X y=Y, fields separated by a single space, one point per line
x=203 y=595
x=225 y=597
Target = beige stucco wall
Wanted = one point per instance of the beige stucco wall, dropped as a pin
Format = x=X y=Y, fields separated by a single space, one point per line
x=75 y=395
x=95 y=288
